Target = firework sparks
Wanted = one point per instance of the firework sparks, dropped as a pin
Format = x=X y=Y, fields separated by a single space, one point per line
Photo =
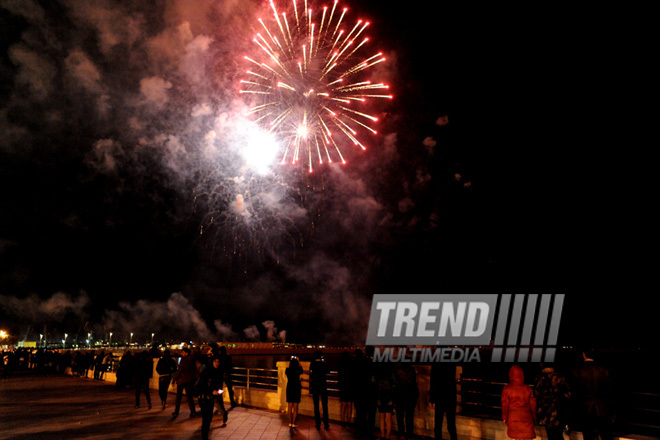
x=308 y=82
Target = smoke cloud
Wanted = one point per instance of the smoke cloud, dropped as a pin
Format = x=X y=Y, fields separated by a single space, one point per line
x=142 y=99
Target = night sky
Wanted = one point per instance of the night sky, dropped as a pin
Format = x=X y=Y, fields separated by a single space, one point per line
x=119 y=177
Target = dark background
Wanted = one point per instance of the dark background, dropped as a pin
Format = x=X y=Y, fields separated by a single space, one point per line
x=530 y=106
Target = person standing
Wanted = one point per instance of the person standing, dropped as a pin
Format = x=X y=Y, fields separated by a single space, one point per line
x=442 y=395
x=551 y=393
x=592 y=390
x=184 y=378
x=346 y=379
x=228 y=368
x=406 y=394
x=385 y=396
x=319 y=389
x=165 y=367
x=293 y=389
x=98 y=365
x=518 y=406
x=125 y=370
x=107 y=364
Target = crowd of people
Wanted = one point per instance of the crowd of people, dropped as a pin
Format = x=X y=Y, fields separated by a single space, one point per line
x=582 y=399
x=48 y=361
x=202 y=374
x=365 y=389
x=555 y=401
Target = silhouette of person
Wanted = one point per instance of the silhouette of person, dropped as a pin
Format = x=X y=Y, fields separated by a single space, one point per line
x=346 y=379
x=142 y=373
x=98 y=365
x=184 y=378
x=365 y=392
x=518 y=406
x=385 y=398
x=406 y=394
x=293 y=389
x=228 y=368
x=319 y=389
x=552 y=394
x=592 y=391
x=125 y=370
x=165 y=367
x=442 y=394
x=208 y=389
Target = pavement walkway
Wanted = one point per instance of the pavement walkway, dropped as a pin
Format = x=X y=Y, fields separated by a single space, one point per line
x=66 y=407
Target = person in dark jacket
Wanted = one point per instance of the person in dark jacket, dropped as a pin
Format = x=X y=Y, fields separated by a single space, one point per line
x=184 y=378
x=384 y=378
x=518 y=406
x=318 y=387
x=552 y=394
x=592 y=390
x=208 y=389
x=293 y=389
x=366 y=401
x=142 y=373
x=228 y=368
x=125 y=370
x=442 y=394
x=346 y=379
x=406 y=394
x=98 y=365
x=165 y=368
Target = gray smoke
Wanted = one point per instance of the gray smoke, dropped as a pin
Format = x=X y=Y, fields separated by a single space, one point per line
x=146 y=92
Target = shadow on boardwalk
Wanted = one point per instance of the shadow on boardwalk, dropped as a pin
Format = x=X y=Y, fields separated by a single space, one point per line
x=65 y=407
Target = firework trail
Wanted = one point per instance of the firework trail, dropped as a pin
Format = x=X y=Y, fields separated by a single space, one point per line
x=308 y=82
x=249 y=218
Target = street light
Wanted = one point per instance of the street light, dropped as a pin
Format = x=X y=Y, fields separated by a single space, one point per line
x=130 y=341
x=152 y=338
x=110 y=338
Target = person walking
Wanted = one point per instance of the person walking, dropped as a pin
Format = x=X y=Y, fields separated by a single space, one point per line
x=552 y=394
x=406 y=394
x=228 y=368
x=142 y=374
x=208 y=389
x=518 y=406
x=293 y=389
x=442 y=395
x=184 y=378
x=319 y=389
x=165 y=368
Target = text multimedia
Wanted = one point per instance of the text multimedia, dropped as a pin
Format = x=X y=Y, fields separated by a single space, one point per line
x=426 y=355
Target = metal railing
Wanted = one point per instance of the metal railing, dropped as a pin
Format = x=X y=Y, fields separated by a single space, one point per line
x=267 y=379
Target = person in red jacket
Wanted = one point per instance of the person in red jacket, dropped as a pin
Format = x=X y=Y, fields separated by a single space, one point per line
x=518 y=406
x=184 y=378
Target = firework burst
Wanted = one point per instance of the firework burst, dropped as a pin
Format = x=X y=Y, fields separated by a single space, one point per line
x=310 y=83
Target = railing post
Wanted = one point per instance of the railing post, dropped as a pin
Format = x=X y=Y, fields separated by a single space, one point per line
x=247 y=380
